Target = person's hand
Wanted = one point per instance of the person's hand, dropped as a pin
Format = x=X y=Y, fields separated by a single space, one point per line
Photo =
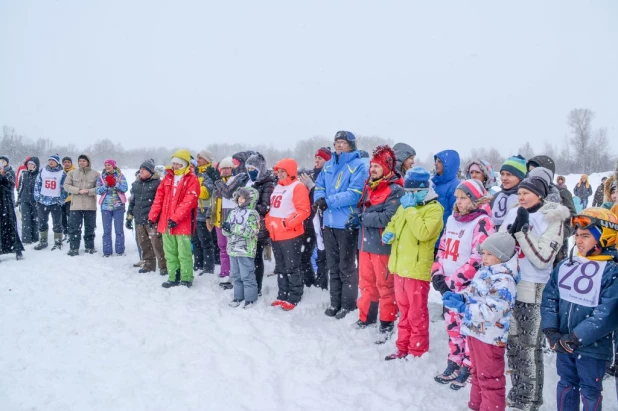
x=569 y=342
x=408 y=200
x=320 y=204
x=129 y=224
x=354 y=221
x=522 y=220
x=83 y=191
x=553 y=336
x=171 y=224
x=226 y=226
x=388 y=237
x=454 y=301
x=152 y=223
x=213 y=173
x=110 y=181
x=209 y=225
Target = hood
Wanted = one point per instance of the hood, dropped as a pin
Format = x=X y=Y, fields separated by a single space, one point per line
x=345 y=158
x=403 y=152
x=486 y=168
x=290 y=166
x=87 y=158
x=258 y=161
x=555 y=212
x=542 y=161
x=35 y=160
x=241 y=157
x=554 y=195
x=250 y=192
x=450 y=160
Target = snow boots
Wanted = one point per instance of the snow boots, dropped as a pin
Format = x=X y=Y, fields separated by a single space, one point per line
x=331 y=311
x=73 y=253
x=399 y=355
x=385 y=331
x=57 y=241
x=342 y=313
x=462 y=378
x=42 y=241
x=449 y=374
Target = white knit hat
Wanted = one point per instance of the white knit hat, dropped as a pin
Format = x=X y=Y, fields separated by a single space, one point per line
x=227 y=162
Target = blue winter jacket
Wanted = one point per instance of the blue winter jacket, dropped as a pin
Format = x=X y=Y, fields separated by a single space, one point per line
x=446 y=184
x=592 y=326
x=341 y=183
x=46 y=200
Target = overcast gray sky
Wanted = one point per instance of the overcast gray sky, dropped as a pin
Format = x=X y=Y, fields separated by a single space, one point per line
x=435 y=74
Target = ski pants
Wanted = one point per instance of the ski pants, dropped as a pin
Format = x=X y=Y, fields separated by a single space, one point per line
x=322 y=272
x=66 y=210
x=116 y=217
x=223 y=257
x=178 y=256
x=488 y=381
x=242 y=276
x=151 y=243
x=377 y=288
x=56 y=213
x=289 y=277
x=306 y=268
x=77 y=218
x=580 y=377
x=258 y=262
x=413 y=327
x=459 y=351
x=340 y=247
x=29 y=223
x=203 y=249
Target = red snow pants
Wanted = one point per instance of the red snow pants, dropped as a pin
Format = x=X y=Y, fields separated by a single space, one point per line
x=488 y=390
x=377 y=286
x=413 y=326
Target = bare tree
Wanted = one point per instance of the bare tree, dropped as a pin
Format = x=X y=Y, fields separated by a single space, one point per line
x=526 y=150
x=580 y=122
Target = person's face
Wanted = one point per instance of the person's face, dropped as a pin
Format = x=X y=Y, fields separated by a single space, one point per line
x=177 y=166
x=226 y=171
x=109 y=168
x=319 y=162
x=477 y=175
x=31 y=166
x=201 y=162
x=67 y=163
x=82 y=162
x=144 y=174
x=281 y=174
x=52 y=163
x=439 y=167
x=584 y=241
x=376 y=171
x=342 y=146
x=527 y=198
x=406 y=165
x=462 y=200
x=614 y=196
x=489 y=259
x=241 y=201
x=508 y=180
x=560 y=181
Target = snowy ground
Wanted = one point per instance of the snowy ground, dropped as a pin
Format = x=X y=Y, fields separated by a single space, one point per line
x=87 y=333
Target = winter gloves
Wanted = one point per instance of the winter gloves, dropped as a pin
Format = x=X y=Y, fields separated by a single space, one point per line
x=152 y=223
x=388 y=237
x=320 y=204
x=226 y=226
x=171 y=224
x=354 y=221
x=564 y=343
x=213 y=173
x=454 y=301
x=129 y=222
x=110 y=181
x=521 y=221
x=408 y=200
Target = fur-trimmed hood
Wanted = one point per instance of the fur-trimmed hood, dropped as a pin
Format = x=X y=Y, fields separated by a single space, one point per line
x=554 y=212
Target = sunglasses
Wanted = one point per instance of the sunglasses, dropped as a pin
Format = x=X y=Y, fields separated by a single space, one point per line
x=584 y=222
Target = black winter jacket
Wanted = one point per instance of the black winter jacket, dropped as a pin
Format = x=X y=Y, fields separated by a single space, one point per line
x=142 y=197
x=264 y=186
x=25 y=192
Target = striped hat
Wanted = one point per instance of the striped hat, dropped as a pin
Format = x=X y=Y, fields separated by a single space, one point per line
x=515 y=165
x=473 y=188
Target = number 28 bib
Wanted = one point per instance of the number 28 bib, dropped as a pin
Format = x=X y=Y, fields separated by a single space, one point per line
x=580 y=283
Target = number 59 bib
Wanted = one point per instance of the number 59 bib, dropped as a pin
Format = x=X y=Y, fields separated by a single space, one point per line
x=580 y=283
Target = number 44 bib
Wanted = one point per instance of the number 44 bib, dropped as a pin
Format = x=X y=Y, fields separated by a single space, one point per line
x=580 y=283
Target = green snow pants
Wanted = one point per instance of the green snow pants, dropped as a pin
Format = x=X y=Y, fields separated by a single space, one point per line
x=177 y=249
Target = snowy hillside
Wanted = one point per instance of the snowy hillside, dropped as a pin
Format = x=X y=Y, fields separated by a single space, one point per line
x=87 y=333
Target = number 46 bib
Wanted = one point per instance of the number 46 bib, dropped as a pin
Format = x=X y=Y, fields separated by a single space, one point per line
x=580 y=283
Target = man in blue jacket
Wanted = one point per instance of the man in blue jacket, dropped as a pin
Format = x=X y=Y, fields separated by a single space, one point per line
x=445 y=181
x=579 y=310
x=337 y=191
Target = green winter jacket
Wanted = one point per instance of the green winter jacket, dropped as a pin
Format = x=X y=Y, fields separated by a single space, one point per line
x=244 y=225
x=416 y=231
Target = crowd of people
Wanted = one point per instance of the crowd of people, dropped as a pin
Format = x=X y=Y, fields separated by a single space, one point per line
x=373 y=225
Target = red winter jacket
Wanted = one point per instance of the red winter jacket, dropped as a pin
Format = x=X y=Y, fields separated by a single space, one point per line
x=181 y=207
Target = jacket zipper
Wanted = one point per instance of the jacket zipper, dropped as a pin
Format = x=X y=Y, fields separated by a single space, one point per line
x=569 y=317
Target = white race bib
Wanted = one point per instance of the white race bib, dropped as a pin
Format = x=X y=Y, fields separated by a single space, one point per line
x=502 y=204
x=282 y=201
x=458 y=243
x=580 y=283
x=50 y=185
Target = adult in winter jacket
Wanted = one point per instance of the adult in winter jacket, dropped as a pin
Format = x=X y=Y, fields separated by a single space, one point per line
x=482 y=171
x=203 y=246
x=9 y=174
x=264 y=183
x=513 y=170
x=337 y=190
x=143 y=192
x=49 y=193
x=566 y=198
x=173 y=212
x=597 y=200
x=457 y=261
x=241 y=229
x=20 y=170
x=81 y=184
x=445 y=180
x=289 y=207
x=67 y=164
x=537 y=226
x=412 y=233
x=222 y=204
x=583 y=190
x=579 y=310
x=112 y=187
x=405 y=156
x=9 y=237
x=27 y=204
x=377 y=205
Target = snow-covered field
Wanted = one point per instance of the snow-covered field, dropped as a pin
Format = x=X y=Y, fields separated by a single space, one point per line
x=87 y=333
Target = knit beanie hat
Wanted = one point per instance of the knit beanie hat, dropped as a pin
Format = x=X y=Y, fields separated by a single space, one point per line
x=416 y=178
x=227 y=162
x=6 y=159
x=501 y=245
x=67 y=158
x=347 y=136
x=385 y=157
x=148 y=165
x=83 y=157
x=543 y=173
x=54 y=157
x=324 y=153
x=515 y=165
x=535 y=184
x=473 y=189
x=542 y=161
x=206 y=155
x=110 y=162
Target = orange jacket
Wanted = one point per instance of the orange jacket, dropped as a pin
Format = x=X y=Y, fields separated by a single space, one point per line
x=289 y=226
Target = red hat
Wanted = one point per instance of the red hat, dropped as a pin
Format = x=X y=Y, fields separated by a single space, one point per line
x=385 y=157
x=324 y=152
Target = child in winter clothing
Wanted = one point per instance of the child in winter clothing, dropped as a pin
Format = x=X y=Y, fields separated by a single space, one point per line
x=112 y=186
x=511 y=173
x=412 y=233
x=580 y=310
x=583 y=190
x=50 y=195
x=26 y=202
x=537 y=226
x=203 y=245
x=486 y=307
x=456 y=264
x=241 y=229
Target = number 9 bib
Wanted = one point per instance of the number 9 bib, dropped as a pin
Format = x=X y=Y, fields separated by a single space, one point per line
x=580 y=283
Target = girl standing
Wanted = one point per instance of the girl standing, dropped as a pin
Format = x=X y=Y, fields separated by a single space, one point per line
x=112 y=186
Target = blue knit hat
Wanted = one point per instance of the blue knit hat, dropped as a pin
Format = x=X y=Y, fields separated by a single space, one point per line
x=515 y=165
x=416 y=178
x=54 y=157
